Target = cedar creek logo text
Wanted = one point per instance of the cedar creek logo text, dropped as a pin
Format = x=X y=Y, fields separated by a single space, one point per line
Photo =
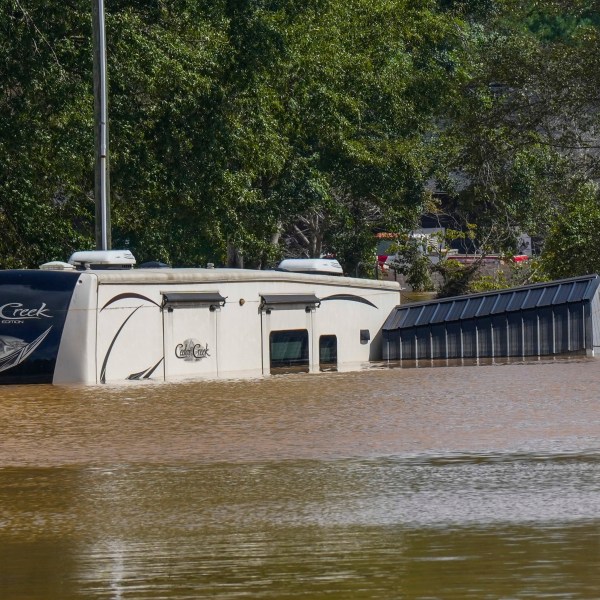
x=191 y=350
x=15 y=312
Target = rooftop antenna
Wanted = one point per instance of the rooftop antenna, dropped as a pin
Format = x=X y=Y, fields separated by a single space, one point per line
x=102 y=177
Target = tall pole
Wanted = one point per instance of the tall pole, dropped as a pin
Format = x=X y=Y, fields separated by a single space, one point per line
x=102 y=178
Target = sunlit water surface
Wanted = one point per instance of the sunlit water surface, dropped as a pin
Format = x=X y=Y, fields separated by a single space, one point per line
x=450 y=483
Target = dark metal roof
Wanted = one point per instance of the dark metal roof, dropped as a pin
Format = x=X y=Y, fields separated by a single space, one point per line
x=575 y=289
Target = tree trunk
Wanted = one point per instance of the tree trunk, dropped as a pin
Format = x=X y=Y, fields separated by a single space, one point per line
x=235 y=258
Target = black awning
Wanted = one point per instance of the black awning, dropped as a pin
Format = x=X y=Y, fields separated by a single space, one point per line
x=300 y=300
x=184 y=299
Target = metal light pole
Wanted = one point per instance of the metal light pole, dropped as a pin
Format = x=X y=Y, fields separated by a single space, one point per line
x=102 y=177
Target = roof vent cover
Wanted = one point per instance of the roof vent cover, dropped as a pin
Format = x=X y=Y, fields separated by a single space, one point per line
x=57 y=265
x=317 y=266
x=103 y=259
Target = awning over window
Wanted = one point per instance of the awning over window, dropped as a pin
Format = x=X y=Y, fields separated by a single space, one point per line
x=291 y=300
x=187 y=299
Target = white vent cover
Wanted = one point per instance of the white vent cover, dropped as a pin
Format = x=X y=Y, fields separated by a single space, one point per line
x=57 y=265
x=103 y=258
x=322 y=266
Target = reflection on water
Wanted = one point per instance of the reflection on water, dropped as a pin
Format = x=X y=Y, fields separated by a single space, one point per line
x=453 y=483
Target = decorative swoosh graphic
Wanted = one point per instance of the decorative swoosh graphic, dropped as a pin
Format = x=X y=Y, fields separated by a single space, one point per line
x=103 y=370
x=18 y=356
x=146 y=373
x=128 y=295
x=350 y=297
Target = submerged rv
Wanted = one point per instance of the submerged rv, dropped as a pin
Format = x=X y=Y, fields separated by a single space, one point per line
x=89 y=322
x=97 y=320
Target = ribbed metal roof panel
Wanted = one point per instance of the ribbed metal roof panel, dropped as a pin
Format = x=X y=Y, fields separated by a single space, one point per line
x=425 y=315
x=517 y=300
x=533 y=298
x=472 y=307
x=456 y=309
x=413 y=315
x=486 y=305
x=502 y=301
x=442 y=312
x=395 y=319
x=576 y=289
x=548 y=295
x=563 y=293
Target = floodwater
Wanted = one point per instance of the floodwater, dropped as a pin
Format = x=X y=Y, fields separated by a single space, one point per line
x=447 y=483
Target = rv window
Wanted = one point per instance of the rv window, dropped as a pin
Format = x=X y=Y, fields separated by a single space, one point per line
x=289 y=350
x=328 y=351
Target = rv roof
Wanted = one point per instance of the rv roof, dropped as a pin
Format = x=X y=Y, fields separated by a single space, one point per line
x=143 y=276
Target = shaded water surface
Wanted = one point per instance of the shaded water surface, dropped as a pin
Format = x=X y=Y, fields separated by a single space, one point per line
x=450 y=483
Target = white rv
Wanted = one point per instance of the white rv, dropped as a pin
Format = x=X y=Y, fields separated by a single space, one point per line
x=99 y=325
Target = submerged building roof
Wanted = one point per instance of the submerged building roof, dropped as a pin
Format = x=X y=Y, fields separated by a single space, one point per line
x=563 y=291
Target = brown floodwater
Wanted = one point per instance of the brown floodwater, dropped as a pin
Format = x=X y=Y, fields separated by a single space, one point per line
x=450 y=483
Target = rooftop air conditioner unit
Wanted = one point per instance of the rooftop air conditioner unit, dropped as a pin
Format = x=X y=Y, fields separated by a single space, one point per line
x=103 y=259
x=317 y=266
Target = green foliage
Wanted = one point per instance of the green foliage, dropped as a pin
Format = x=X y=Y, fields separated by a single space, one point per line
x=230 y=122
x=571 y=246
x=266 y=128
x=564 y=21
x=456 y=277
x=490 y=282
x=522 y=132
x=46 y=140
x=412 y=260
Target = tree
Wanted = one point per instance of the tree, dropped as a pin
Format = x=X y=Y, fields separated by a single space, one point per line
x=522 y=134
x=246 y=130
x=46 y=134
x=326 y=123
x=570 y=248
